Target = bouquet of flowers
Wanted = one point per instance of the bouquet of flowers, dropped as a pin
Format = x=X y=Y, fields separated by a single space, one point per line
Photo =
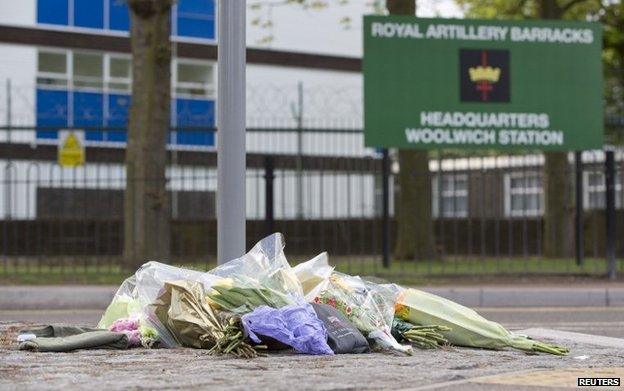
x=360 y=305
x=464 y=326
x=138 y=331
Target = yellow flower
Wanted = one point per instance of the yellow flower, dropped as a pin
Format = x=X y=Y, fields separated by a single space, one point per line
x=401 y=311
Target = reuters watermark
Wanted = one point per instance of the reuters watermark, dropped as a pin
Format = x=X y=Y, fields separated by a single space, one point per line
x=598 y=382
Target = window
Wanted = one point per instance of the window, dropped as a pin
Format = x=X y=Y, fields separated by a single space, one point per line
x=594 y=189
x=189 y=18
x=195 y=18
x=194 y=113
x=83 y=13
x=119 y=17
x=88 y=70
x=92 y=89
x=119 y=74
x=52 y=68
x=52 y=110
x=452 y=195
x=194 y=78
x=523 y=194
x=53 y=12
x=88 y=13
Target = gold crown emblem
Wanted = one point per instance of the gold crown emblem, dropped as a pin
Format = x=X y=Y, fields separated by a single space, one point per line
x=482 y=73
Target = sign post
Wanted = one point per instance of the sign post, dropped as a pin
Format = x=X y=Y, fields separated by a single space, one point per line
x=385 y=208
x=578 y=216
x=231 y=131
x=482 y=84
x=610 y=214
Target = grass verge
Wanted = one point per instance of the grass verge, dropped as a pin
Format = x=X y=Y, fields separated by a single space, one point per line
x=431 y=272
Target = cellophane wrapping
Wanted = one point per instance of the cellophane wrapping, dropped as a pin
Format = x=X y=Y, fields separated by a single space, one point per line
x=368 y=306
x=263 y=276
x=137 y=292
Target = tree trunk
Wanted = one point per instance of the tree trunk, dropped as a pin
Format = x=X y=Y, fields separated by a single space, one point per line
x=413 y=215
x=146 y=202
x=401 y=7
x=559 y=206
x=549 y=9
x=558 y=185
x=414 y=238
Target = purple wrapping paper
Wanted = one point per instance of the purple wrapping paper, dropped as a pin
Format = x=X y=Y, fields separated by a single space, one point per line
x=295 y=325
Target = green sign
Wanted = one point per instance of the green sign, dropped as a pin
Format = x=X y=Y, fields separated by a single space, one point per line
x=431 y=83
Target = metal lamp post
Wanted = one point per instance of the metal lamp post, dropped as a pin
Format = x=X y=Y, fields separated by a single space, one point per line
x=231 y=130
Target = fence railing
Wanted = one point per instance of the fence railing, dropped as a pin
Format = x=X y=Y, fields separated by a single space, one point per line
x=488 y=210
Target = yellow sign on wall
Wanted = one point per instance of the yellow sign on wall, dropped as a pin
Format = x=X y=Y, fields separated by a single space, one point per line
x=71 y=151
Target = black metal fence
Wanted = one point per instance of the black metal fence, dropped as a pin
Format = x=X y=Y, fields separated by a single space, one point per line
x=488 y=210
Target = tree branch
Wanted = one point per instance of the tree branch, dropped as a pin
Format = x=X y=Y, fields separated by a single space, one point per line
x=517 y=8
x=570 y=4
x=146 y=8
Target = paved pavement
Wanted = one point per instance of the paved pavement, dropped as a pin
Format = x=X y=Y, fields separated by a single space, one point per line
x=598 y=312
x=443 y=369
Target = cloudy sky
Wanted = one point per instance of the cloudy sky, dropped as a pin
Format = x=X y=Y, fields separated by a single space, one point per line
x=321 y=31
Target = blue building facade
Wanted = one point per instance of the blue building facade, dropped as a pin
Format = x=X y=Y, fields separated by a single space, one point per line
x=92 y=90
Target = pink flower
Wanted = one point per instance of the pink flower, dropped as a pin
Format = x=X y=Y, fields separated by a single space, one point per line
x=134 y=337
x=125 y=324
x=130 y=327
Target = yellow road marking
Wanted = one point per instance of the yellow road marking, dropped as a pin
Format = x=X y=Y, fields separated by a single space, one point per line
x=565 y=377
